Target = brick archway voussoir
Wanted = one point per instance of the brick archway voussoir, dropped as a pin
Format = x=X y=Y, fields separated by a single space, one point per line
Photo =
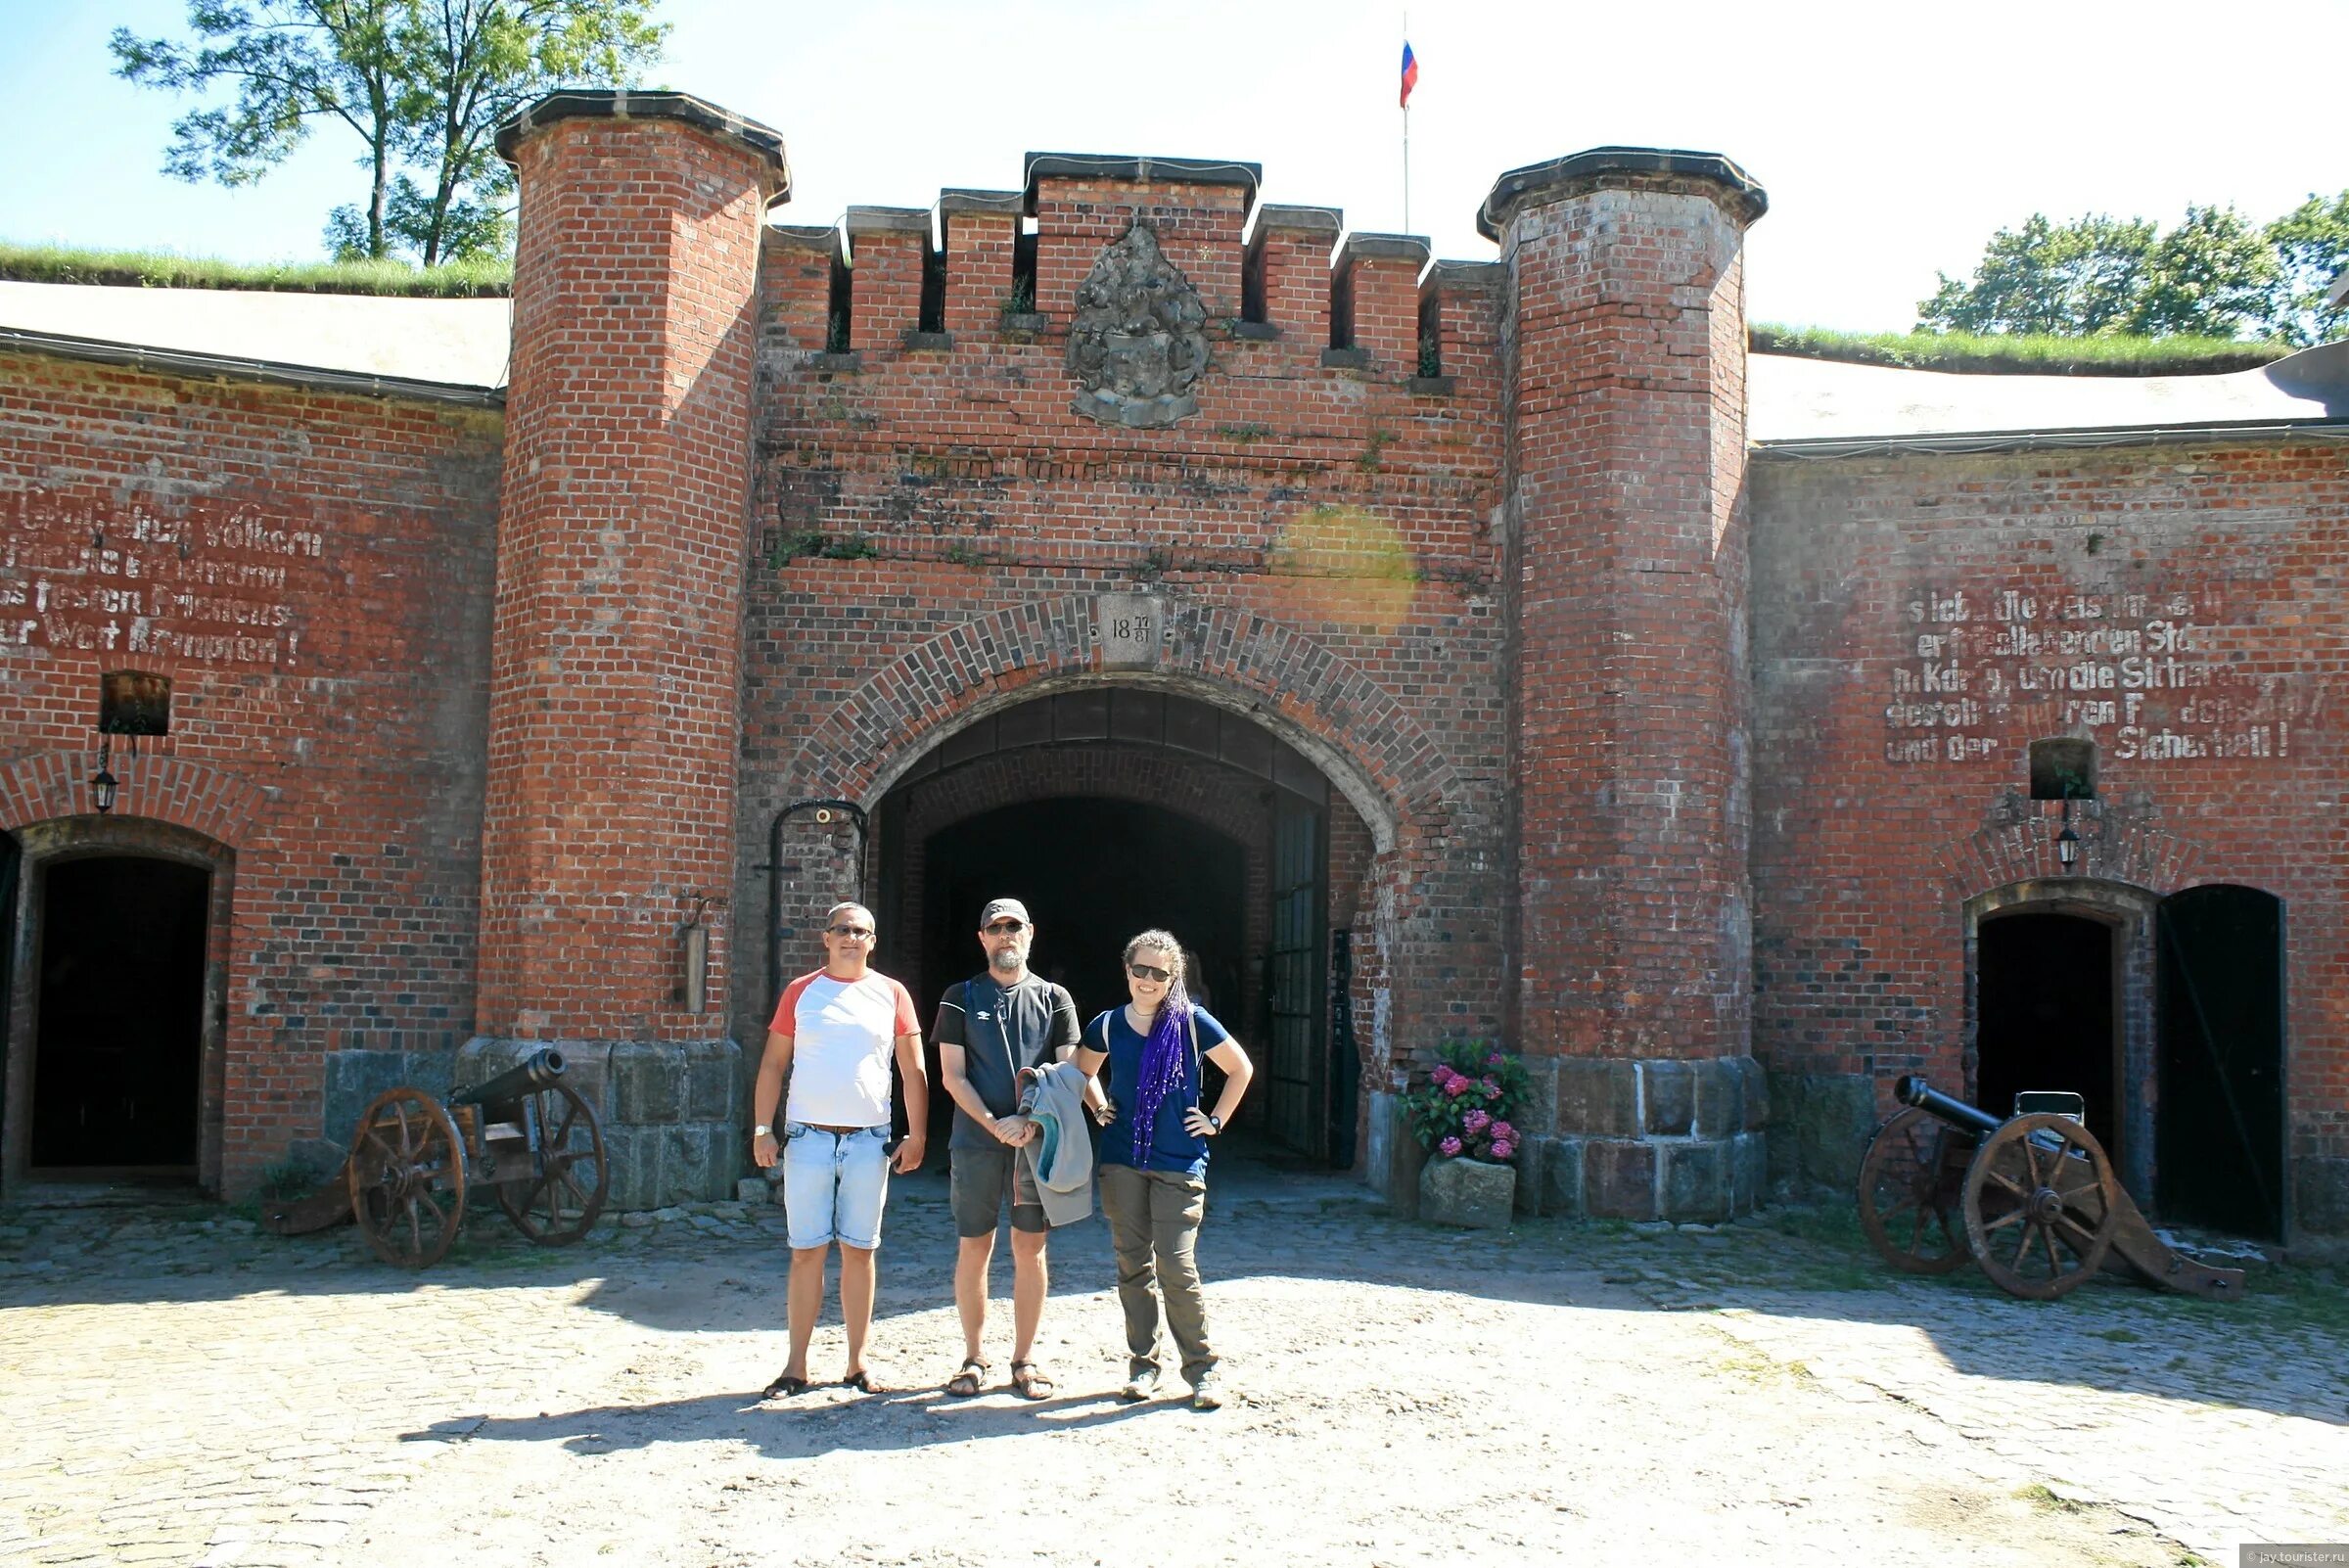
x=1236 y=657
x=220 y=805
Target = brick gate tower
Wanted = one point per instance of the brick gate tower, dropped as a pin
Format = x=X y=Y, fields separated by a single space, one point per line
x=1626 y=363
x=615 y=701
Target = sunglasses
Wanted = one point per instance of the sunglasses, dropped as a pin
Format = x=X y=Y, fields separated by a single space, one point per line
x=1150 y=972
x=1007 y=928
x=857 y=931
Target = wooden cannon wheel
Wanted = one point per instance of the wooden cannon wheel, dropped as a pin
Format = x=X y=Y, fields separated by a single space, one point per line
x=408 y=1178
x=1908 y=1194
x=559 y=1205
x=2040 y=1205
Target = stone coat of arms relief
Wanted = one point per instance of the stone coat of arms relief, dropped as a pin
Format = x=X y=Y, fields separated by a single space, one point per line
x=1137 y=344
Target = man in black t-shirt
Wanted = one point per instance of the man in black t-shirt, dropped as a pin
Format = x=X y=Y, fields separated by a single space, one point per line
x=988 y=1028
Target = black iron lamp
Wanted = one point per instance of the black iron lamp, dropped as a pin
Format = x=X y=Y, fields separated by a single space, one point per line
x=2067 y=844
x=103 y=783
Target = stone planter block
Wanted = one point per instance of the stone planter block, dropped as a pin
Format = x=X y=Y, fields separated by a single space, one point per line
x=1468 y=1193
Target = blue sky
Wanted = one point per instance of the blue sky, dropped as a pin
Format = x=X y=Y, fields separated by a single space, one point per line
x=1892 y=139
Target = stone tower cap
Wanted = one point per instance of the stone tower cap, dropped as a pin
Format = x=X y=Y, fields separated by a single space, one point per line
x=620 y=103
x=1172 y=170
x=1570 y=175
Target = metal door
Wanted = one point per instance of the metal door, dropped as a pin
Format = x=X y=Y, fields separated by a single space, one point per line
x=1296 y=1087
x=2218 y=1131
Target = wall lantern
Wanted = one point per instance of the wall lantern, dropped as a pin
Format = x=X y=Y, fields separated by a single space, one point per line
x=2064 y=769
x=103 y=784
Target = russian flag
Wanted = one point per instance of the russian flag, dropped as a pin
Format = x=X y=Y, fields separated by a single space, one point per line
x=1411 y=72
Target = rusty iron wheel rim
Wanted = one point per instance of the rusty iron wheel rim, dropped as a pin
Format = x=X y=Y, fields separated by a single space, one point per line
x=561 y=1204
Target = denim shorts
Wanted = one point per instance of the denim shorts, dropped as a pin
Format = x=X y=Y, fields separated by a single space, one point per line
x=833 y=1185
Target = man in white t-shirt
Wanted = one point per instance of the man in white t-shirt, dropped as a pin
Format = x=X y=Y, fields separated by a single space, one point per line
x=832 y=1036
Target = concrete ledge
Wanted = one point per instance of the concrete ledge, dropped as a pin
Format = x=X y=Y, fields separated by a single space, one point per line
x=1040 y=166
x=618 y=103
x=1564 y=177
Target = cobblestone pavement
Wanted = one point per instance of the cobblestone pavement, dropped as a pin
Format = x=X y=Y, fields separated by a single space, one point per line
x=177 y=1388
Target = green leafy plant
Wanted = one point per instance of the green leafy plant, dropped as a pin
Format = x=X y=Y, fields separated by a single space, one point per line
x=1021 y=301
x=1466 y=1106
x=291 y=1178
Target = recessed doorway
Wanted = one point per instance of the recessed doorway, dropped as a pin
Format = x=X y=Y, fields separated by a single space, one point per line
x=118 y=998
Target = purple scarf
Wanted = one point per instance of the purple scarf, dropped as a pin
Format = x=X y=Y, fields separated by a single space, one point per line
x=1162 y=1069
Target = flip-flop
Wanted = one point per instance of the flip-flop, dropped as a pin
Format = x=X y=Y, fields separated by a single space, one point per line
x=1030 y=1382
x=863 y=1383
x=785 y=1385
x=966 y=1383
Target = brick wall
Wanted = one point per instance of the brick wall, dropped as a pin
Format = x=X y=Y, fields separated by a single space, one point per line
x=312 y=573
x=933 y=528
x=1921 y=620
x=613 y=714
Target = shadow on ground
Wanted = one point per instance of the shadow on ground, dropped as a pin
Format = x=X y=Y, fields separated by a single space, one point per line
x=2284 y=1348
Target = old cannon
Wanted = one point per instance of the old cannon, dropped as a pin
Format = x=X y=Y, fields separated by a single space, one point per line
x=2032 y=1199
x=526 y=1133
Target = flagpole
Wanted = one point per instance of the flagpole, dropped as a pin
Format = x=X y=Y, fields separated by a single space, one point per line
x=1406 y=134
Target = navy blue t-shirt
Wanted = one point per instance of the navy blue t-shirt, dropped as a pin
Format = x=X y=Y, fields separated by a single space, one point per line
x=1171 y=1145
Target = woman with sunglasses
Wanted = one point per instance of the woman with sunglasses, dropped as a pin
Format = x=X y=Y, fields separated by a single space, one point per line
x=1153 y=1157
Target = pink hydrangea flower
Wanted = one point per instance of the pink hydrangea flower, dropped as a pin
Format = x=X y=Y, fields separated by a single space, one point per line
x=1494 y=1060
x=1475 y=1122
x=1491 y=1089
x=1502 y=1129
x=1448 y=1147
x=1502 y=1148
x=1457 y=1088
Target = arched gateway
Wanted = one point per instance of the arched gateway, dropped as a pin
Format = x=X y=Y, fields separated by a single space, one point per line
x=1234 y=781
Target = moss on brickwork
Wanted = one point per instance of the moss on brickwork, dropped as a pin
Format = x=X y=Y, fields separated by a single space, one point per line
x=161 y=269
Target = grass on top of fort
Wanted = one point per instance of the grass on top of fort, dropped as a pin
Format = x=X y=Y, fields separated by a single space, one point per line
x=492 y=277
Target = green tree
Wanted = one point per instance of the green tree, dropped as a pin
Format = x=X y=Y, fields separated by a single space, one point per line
x=424 y=83
x=2209 y=277
x=2311 y=246
x=2067 y=279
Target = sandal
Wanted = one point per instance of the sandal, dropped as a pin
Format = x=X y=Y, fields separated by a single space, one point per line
x=967 y=1382
x=785 y=1385
x=1030 y=1382
x=863 y=1383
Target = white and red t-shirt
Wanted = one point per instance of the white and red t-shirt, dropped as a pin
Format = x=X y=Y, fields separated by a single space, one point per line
x=842 y=1033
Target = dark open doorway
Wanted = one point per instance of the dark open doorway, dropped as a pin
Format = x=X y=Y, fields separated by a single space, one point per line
x=2218 y=1134
x=118 y=1044
x=2046 y=1017
x=1093 y=874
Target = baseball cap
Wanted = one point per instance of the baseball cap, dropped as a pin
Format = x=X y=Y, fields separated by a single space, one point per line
x=998 y=909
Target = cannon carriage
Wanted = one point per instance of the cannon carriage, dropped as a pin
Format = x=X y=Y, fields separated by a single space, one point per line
x=2033 y=1200
x=525 y=1135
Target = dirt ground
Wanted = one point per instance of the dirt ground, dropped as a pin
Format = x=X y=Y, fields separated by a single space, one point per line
x=1403 y=1395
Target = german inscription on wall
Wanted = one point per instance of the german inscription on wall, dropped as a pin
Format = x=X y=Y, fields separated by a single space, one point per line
x=2145 y=675
x=204 y=589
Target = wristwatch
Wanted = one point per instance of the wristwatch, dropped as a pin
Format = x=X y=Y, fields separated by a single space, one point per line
x=763 y=1131
x=1215 y=1121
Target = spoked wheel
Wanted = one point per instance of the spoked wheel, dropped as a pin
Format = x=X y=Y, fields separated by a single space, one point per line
x=407 y=1178
x=561 y=1203
x=1908 y=1194
x=2041 y=1206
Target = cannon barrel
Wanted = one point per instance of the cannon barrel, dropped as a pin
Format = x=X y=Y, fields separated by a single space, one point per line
x=1914 y=1091
x=538 y=1071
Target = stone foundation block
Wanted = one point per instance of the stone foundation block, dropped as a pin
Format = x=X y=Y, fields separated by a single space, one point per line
x=1599 y=1098
x=1531 y=1153
x=1667 y=1097
x=1619 y=1180
x=649 y=1084
x=1749 y=1172
x=1470 y=1193
x=1720 y=1091
x=1695 y=1185
x=1561 y=1180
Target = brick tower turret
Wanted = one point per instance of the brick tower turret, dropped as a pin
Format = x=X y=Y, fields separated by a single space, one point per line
x=614 y=710
x=1625 y=359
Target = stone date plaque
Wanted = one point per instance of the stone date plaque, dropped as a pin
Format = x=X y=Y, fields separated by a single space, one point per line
x=1129 y=628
